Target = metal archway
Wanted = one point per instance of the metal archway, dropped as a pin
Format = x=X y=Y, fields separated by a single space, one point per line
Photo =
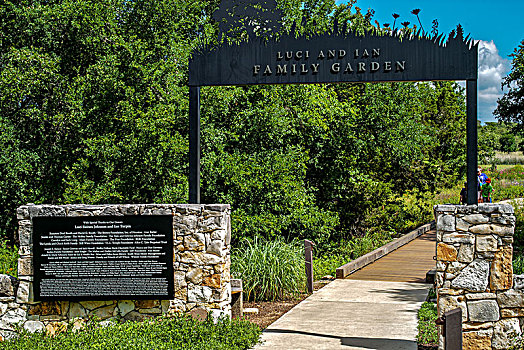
x=338 y=56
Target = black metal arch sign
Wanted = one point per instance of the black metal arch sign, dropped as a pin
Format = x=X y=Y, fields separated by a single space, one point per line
x=334 y=58
x=338 y=56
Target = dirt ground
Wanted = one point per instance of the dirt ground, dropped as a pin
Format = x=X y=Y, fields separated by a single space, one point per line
x=270 y=311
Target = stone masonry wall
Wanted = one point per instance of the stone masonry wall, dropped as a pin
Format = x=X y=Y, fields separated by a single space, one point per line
x=201 y=233
x=475 y=273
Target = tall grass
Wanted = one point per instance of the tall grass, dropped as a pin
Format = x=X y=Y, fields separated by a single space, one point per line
x=270 y=270
x=507 y=158
x=345 y=251
x=448 y=196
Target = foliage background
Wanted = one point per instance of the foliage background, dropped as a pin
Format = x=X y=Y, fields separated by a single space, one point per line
x=510 y=107
x=94 y=109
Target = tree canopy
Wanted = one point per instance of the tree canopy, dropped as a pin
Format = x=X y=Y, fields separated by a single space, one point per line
x=507 y=143
x=511 y=106
x=94 y=109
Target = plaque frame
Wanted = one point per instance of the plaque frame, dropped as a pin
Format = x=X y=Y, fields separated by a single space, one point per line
x=43 y=225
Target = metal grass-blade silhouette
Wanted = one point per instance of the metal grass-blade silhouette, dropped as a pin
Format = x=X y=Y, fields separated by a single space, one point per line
x=293 y=29
x=439 y=38
x=460 y=32
x=304 y=22
x=418 y=33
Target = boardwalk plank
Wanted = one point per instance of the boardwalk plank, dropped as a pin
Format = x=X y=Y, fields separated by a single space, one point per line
x=406 y=264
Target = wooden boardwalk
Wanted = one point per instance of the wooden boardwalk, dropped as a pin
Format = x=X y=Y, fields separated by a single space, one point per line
x=408 y=263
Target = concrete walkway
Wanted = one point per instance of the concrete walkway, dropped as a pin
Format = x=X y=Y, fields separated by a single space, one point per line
x=351 y=314
x=373 y=308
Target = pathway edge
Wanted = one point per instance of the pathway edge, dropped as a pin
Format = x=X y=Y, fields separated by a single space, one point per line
x=378 y=253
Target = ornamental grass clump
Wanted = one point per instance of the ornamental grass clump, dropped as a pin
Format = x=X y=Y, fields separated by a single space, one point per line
x=270 y=270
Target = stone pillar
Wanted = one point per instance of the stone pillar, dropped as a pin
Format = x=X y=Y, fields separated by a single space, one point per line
x=474 y=272
x=201 y=261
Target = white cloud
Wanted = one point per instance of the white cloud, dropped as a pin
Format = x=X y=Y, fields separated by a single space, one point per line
x=492 y=69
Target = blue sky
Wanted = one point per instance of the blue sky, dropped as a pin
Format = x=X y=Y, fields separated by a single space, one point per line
x=498 y=24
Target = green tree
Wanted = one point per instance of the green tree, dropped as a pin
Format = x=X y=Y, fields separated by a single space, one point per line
x=521 y=146
x=511 y=106
x=93 y=101
x=488 y=141
x=258 y=144
x=507 y=143
x=94 y=106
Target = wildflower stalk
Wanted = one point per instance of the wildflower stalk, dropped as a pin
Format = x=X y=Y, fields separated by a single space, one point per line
x=395 y=16
x=416 y=12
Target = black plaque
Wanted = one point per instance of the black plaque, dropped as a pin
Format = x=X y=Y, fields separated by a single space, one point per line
x=103 y=257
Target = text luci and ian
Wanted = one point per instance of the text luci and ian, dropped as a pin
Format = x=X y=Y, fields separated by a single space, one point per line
x=363 y=61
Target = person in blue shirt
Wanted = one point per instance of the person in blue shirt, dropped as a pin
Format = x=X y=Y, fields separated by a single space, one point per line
x=481 y=180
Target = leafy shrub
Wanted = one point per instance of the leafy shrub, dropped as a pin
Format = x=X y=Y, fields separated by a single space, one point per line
x=269 y=270
x=401 y=214
x=416 y=208
x=427 y=329
x=269 y=194
x=180 y=332
x=518 y=236
x=326 y=265
x=518 y=264
x=8 y=259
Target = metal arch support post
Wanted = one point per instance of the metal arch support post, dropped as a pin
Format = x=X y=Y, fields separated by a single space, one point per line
x=471 y=140
x=194 y=145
